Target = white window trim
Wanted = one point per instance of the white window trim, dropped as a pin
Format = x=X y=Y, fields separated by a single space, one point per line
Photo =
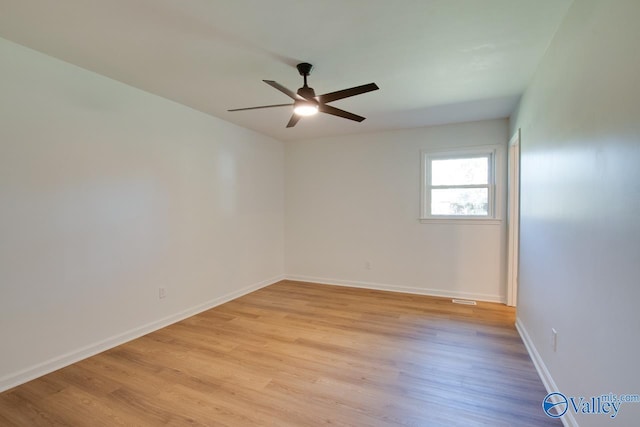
x=496 y=178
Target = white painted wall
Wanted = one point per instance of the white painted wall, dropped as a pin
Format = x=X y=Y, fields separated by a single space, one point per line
x=354 y=199
x=108 y=193
x=580 y=229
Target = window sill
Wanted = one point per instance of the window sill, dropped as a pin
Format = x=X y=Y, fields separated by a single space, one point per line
x=461 y=221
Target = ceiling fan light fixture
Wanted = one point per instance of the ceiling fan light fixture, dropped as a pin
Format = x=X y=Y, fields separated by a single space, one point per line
x=305 y=108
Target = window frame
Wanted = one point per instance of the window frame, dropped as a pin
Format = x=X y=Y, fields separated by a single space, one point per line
x=494 y=153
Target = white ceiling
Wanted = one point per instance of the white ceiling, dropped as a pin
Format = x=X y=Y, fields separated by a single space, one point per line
x=436 y=61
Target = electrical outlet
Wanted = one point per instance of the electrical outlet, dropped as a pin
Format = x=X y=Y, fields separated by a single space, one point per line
x=554 y=339
x=162 y=293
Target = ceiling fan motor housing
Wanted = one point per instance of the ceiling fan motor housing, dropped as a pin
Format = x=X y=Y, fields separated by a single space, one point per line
x=307 y=93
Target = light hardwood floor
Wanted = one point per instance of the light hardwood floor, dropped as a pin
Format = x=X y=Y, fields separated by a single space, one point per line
x=299 y=354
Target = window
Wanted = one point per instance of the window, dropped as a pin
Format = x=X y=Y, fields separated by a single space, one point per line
x=460 y=185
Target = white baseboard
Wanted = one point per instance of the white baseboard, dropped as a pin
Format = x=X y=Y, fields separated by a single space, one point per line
x=74 y=356
x=393 y=288
x=568 y=420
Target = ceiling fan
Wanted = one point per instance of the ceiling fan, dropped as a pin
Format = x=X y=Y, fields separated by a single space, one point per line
x=307 y=103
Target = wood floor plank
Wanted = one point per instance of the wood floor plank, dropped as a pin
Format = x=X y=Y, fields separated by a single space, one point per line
x=300 y=354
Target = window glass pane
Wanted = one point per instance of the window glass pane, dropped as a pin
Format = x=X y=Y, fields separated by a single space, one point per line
x=465 y=171
x=460 y=201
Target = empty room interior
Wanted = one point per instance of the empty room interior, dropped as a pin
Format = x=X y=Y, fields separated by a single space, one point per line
x=297 y=213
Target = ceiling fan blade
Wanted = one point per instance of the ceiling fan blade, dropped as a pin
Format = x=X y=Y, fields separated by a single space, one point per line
x=282 y=89
x=345 y=93
x=262 y=106
x=293 y=120
x=328 y=109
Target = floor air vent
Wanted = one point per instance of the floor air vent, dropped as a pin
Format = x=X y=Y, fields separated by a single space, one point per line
x=463 y=301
